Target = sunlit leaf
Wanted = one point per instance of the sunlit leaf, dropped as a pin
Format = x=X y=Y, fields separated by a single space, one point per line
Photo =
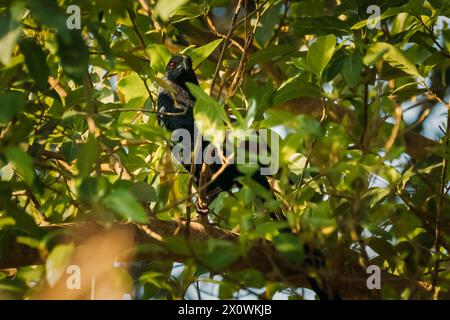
x=200 y=54
x=13 y=103
x=57 y=262
x=209 y=115
x=9 y=32
x=159 y=56
x=320 y=53
x=165 y=8
x=36 y=64
x=290 y=246
x=352 y=69
x=22 y=163
x=391 y=55
x=87 y=156
x=123 y=202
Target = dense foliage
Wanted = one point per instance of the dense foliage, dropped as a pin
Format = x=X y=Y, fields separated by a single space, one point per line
x=353 y=101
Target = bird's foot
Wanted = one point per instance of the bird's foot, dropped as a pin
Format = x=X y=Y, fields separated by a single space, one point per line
x=201 y=207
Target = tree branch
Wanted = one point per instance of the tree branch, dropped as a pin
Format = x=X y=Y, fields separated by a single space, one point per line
x=350 y=284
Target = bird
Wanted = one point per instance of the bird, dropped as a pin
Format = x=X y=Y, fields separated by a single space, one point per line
x=175 y=107
x=175 y=110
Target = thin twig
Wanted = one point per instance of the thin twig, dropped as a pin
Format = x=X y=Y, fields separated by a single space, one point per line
x=280 y=26
x=214 y=30
x=225 y=44
x=433 y=37
x=440 y=209
x=238 y=77
x=135 y=28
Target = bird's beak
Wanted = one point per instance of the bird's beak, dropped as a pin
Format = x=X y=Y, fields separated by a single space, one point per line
x=184 y=65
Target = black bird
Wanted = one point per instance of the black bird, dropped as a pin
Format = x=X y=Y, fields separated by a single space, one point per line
x=175 y=111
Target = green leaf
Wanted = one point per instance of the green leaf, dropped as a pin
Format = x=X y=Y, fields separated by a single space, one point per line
x=143 y=192
x=290 y=246
x=221 y=254
x=273 y=287
x=125 y=204
x=57 y=262
x=72 y=50
x=12 y=103
x=323 y=25
x=9 y=32
x=271 y=228
x=87 y=156
x=294 y=88
x=165 y=8
x=390 y=12
x=249 y=278
x=209 y=116
x=7 y=222
x=121 y=279
x=319 y=217
x=69 y=151
x=22 y=163
x=271 y=53
x=48 y=13
x=132 y=87
x=320 y=53
x=227 y=290
x=92 y=189
x=446 y=35
x=135 y=103
x=177 y=246
x=187 y=12
x=200 y=54
x=301 y=64
x=36 y=63
x=405 y=224
x=352 y=69
x=159 y=57
x=251 y=113
x=391 y=55
x=267 y=24
x=74 y=54
x=23 y=221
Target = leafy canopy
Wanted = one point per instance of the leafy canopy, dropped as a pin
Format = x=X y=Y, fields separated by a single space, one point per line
x=79 y=139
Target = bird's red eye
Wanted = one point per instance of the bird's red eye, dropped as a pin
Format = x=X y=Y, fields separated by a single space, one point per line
x=172 y=65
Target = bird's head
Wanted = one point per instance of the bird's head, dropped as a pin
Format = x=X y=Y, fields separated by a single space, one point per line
x=179 y=70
